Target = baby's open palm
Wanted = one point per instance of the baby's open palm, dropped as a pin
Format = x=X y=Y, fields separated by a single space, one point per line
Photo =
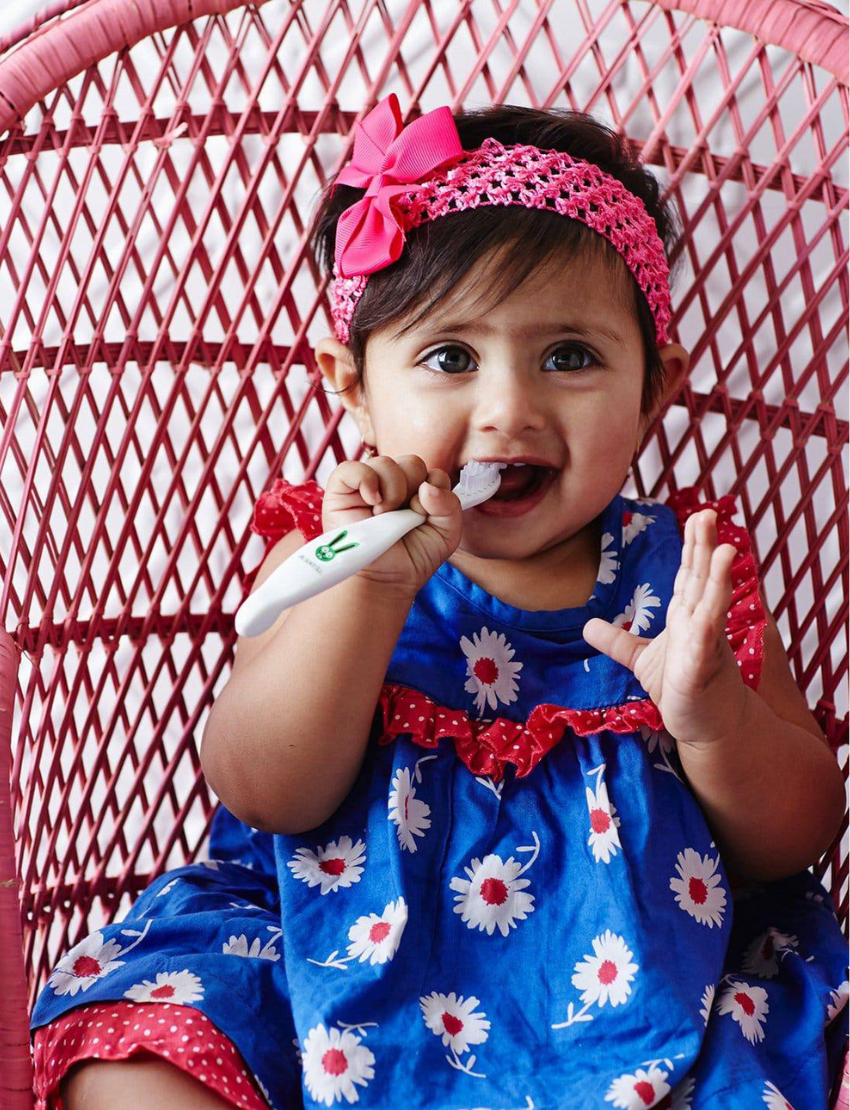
x=689 y=669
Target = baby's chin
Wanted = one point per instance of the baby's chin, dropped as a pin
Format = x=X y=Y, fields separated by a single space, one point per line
x=502 y=542
x=523 y=538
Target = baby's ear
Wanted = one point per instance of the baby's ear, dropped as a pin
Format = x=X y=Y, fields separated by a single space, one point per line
x=335 y=361
x=338 y=368
x=676 y=362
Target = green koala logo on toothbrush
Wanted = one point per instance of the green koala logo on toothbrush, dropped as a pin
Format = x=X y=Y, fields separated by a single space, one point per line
x=329 y=551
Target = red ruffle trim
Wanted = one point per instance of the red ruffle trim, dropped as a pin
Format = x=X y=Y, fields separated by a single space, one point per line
x=286 y=506
x=181 y=1035
x=280 y=509
x=746 y=619
x=488 y=746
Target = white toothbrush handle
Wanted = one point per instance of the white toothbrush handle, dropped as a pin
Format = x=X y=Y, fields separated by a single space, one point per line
x=344 y=551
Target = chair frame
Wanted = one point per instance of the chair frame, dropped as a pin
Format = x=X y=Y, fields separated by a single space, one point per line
x=31 y=67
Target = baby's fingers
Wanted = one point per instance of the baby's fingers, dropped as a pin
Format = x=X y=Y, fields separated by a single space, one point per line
x=700 y=542
x=622 y=646
x=434 y=497
x=709 y=616
x=352 y=477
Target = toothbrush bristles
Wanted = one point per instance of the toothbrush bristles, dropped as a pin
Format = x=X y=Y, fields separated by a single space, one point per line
x=476 y=474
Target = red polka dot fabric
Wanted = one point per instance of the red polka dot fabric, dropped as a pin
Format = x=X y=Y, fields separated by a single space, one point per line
x=280 y=509
x=488 y=747
x=182 y=1035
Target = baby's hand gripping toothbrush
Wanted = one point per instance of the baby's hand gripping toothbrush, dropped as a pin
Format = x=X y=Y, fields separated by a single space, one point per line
x=341 y=552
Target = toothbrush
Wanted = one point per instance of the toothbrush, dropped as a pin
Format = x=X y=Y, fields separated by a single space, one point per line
x=340 y=552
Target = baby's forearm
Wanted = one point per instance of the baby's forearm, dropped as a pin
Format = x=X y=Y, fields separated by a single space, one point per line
x=772 y=793
x=288 y=733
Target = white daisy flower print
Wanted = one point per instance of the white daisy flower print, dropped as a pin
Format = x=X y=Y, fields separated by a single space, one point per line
x=634 y=524
x=604 y=839
x=698 y=889
x=760 y=957
x=839 y=1001
x=707 y=1001
x=608 y=561
x=637 y=616
x=454 y=1019
x=264 y=1089
x=774 y=1099
x=377 y=938
x=640 y=1089
x=666 y=745
x=748 y=1006
x=657 y=738
x=333 y=1061
x=87 y=962
x=682 y=1096
x=607 y=974
x=180 y=987
x=238 y=946
x=409 y=813
x=492 y=675
x=494 y=894
x=337 y=865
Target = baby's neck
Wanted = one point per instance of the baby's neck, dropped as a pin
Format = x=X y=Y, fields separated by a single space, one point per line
x=561 y=577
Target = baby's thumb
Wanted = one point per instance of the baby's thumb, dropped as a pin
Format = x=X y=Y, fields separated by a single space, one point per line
x=617 y=643
x=442 y=507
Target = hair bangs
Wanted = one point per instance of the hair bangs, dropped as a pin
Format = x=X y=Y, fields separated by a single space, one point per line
x=519 y=243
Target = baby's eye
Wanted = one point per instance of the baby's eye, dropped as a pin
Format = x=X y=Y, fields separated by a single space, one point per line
x=452 y=360
x=568 y=352
x=449 y=362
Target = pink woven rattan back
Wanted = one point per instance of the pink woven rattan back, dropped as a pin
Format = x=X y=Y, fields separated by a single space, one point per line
x=158 y=307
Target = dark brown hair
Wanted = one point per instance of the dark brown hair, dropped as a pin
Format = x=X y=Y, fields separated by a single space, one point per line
x=438 y=253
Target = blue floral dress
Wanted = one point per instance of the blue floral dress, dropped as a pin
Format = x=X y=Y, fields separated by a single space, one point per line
x=519 y=904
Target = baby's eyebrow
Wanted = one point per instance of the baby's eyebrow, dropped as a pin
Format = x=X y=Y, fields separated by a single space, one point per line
x=530 y=331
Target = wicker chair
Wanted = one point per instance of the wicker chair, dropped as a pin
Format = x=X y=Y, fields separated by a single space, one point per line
x=158 y=306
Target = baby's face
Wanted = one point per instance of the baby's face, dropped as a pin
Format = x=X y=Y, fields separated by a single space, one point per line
x=555 y=371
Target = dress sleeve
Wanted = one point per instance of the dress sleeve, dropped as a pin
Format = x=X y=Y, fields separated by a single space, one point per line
x=746 y=619
x=286 y=505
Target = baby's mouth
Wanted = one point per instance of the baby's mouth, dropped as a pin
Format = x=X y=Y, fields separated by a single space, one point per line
x=519 y=482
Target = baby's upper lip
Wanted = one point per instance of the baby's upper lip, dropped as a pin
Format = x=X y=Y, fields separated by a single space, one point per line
x=532 y=460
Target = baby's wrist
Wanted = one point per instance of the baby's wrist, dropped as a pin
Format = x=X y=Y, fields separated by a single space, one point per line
x=730 y=723
x=380 y=592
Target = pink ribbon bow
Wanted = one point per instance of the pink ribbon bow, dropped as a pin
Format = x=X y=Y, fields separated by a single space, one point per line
x=387 y=160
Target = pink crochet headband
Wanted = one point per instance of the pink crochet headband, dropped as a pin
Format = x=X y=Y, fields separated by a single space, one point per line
x=421 y=172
